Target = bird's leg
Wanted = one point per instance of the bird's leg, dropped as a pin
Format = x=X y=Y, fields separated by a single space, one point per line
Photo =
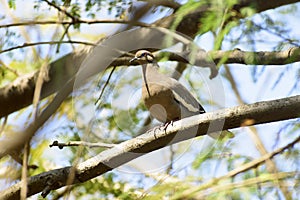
x=155 y=129
x=166 y=124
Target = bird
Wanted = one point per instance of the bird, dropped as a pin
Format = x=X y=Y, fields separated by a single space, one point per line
x=166 y=98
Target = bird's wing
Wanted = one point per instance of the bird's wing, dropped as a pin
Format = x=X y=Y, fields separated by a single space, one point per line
x=188 y=101
x=185 y=98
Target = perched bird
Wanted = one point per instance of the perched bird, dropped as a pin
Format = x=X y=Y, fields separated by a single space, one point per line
x=166 y=98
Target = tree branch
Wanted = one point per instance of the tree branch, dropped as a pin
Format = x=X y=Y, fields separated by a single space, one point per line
x=49 y=43
x=167 y=3
x=82 y=143
x=257 y=113
x=261 y=5
x=78 y=21
x=238 y=56
x=61 y=10
x=189 y=25
x=19 y=93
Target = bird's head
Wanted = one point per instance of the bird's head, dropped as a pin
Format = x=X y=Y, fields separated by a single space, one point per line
x=143 y=57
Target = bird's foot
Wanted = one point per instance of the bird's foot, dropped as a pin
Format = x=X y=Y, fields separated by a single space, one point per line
x=154 y=130
x=165 y=126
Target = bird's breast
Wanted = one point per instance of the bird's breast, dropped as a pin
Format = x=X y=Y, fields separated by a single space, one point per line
x=159 y=100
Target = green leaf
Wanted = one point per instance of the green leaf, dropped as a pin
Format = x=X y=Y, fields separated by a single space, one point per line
x=248 y=11
x=12 y=4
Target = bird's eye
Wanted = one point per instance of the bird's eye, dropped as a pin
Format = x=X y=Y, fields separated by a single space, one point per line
x=142 y=55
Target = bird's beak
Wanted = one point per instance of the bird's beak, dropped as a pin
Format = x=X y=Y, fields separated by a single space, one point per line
x=133 y=59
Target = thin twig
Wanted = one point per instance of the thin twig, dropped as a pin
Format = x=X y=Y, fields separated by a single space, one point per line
x=3 y=125
x=24 y=179
x=66 y=27
x=172 y=157
x=9 y=68
x=42 y=76
x=67 y=41
x=273 y=32
x=61 y=10
x=48 y=42
x=79 y=21
x=105 y=85
x=69 y=36
x=246 y=183
x=81 y=143
x=60 y=194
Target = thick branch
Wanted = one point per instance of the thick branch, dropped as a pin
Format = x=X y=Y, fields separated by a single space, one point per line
x=257 y=113
x=189 y=25
x=257 y=58
x=167 y=3
x=262 y=5
x=19 y=94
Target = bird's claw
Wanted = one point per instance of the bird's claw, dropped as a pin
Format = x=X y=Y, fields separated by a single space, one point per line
x=165 y=126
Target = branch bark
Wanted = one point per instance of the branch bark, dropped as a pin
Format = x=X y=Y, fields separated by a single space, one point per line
x=257 y=113
x=257 y=58
x=19 y=93
x=167 y=3
x=189 y=25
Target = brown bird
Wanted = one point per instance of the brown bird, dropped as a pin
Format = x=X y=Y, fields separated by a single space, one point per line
x=165 y=97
